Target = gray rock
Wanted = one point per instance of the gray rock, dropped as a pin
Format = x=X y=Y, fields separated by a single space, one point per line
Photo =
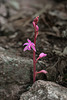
x=15 y=75
x=45 y=90
x=65 y=50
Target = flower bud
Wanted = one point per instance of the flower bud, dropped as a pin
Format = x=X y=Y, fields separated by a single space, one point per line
x=37 y=28
x=36 y=20
x=34 y=24
x=42 y=55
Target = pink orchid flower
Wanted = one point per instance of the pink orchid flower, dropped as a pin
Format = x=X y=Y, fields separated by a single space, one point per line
x=42 y=71
x=29 y=45
x=41 y=55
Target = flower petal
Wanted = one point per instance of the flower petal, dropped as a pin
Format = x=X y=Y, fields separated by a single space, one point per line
x=25 y=44
x=42 y=71
x=37 y=28
x=42 y=55
x=25 y=48
x=32 y=44
x=36 y=19
x=33 y=47
x=28 y=40
x=34 y=24
x=29 y=48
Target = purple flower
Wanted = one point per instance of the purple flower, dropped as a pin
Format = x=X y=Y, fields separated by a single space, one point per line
x=42 y=71
x=42 y=55
x=36 y=20
x=29 y=45
x=34 y=24
x=37 y=28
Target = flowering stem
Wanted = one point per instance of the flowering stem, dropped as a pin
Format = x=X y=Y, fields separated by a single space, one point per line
x=37 y=59
x=34 y=60
x=32 y=45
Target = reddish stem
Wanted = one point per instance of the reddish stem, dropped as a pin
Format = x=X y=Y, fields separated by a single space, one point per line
x=34 y=60
x=37 y=59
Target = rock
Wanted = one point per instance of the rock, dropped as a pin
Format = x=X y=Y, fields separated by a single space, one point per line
x=45 y=90
x=15 y=75
x=2 y=49
x=52 y=73
x=65 y=51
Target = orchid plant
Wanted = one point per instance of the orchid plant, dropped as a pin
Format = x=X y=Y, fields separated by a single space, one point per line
x=32 y=45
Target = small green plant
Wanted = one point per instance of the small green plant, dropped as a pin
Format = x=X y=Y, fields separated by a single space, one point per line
x=32 y=45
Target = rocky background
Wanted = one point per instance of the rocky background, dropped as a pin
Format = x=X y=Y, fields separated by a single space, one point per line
x=16 y=66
